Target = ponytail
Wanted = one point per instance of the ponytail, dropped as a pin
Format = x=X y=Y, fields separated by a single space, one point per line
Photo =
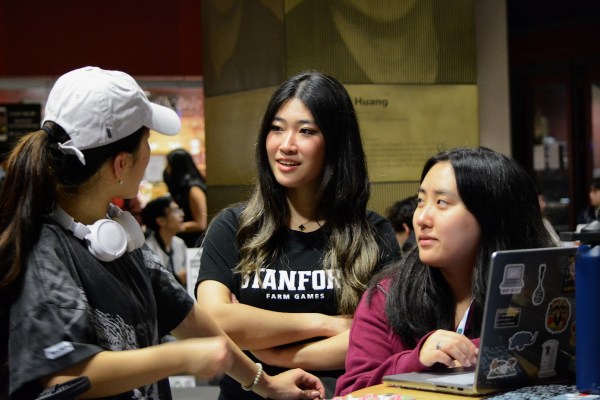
x=37 y=169
x=27 y=194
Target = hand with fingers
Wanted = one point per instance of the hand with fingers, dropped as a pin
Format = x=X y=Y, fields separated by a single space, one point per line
x=449 y=348
x=293 y=384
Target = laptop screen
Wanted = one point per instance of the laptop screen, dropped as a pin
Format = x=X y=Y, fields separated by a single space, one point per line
x=528 y=327
x=528 y=331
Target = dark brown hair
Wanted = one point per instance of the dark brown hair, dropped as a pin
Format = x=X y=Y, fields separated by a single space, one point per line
x=37 y=169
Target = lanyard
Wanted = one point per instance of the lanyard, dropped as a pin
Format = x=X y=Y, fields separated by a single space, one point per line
x=463 y=321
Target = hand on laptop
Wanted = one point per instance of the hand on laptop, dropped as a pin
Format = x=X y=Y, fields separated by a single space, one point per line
x=449 y=348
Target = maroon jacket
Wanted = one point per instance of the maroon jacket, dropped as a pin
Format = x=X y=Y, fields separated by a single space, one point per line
x=375 y=350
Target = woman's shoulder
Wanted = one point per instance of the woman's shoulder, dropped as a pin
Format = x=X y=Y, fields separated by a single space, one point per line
x=378 y=291
x=52 y=236
x=50 y=246
x=385 y=234
x=199 y=183
x=233 y=211
x=373 y=216
x=228 y=218
x=376 y=219
x=384 y=284
x=385 y=278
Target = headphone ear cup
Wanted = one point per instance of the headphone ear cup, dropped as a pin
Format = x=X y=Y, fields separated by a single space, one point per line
x=107 y=240
x=133 y=230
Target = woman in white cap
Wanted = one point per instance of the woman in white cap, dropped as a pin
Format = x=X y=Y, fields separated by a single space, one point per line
x=85 y=298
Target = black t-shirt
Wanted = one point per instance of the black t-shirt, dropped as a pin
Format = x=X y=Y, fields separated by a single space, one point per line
x=181 y=194
x=72 y=306
x=295 y=282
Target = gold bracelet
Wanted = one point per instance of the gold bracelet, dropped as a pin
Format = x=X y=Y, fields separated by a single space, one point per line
x=256 y=379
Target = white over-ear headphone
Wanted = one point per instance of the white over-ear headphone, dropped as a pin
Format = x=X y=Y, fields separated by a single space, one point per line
x=107 y=239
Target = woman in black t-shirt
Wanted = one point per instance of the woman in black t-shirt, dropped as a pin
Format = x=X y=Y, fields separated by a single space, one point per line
x=283 y=273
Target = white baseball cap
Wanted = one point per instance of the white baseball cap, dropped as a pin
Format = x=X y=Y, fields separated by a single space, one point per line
x=96 y=107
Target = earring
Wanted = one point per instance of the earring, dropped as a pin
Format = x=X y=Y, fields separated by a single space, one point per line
x=120 y=181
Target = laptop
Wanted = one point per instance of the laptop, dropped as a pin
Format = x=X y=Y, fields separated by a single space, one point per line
x=528 y=328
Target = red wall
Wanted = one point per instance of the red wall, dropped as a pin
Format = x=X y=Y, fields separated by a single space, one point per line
x=141 y=37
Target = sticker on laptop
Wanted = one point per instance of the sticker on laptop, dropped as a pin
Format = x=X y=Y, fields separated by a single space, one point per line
x=558 y=315
x=569 y=276
x=512 y=281
x=521 y=339
x=507 y=317
x=502 y=368
x=548 y=359
x=538 y=293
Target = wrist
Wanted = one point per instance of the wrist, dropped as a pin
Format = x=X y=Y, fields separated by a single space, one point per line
x=178 y=352
x=264 y=385
x=257 y=378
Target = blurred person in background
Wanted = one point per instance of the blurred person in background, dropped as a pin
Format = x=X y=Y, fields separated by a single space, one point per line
x=163 y=220
x=547 y=223
x=590 y=213
x=188 y=188
x=400 y=215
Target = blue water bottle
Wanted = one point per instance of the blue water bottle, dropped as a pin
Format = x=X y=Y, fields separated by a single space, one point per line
x=587 y=316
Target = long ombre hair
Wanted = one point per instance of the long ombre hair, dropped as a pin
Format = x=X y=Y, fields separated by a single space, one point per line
x=341 y=200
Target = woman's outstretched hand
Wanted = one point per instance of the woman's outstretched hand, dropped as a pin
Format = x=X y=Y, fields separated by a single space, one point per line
x=291 y=384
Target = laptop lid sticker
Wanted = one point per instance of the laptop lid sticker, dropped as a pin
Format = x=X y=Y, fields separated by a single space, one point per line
x=521 y=339
x=538 y=293
x=512 y=283
x=502 y=368
x=507 y=317
x=558 y=315
x=548 y=361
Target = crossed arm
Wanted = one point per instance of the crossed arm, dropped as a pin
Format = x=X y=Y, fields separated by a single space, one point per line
x=291 y=340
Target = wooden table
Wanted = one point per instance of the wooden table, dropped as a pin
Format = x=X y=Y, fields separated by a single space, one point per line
x=417 y=394
x=530 y=392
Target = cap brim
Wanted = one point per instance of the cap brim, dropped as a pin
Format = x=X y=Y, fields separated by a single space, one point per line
x=164 y=120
